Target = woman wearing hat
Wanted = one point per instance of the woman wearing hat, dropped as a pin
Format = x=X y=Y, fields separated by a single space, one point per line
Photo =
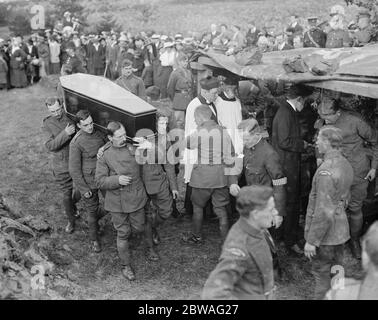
x=18 y=60
x=179 y=89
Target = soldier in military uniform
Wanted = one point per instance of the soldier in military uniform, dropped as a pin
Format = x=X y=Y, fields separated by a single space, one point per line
x=356 y=133
x=159 y=178
x=245 y=268
x=82 y=165
x=314 y=36
x=60 y=130
x=130 y=82
x=73 y=62
x=367 y=288
x=208 y=179
x=327 y=229
x=119 y=174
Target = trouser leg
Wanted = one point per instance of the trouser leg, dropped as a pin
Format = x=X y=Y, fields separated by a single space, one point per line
x=92 y=206
x=148 y=225
x=122 y=225
x=199 y=198
x=290 y=223
x=325 y=259
x=69 y=206
x=358 y=193
x=220 y=199
x=187 y=202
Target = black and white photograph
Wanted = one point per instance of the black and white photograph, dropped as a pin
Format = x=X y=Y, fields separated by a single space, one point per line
x=188 y=150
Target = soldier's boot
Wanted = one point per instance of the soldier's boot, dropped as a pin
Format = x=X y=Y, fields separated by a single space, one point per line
x=128 y=273
x=355 y=223
x=223 y=231
x=69 y=210
x=76 y=196
x=155 y=237
x=151 y=254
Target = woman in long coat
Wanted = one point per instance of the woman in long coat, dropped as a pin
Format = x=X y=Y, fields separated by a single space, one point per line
x=18 y=62
x=179 y=89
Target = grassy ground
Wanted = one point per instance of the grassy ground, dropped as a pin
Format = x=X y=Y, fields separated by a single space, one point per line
x=27 y=185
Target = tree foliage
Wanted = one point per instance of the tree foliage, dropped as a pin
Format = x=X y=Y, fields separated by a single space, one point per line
x=107 y=22
x=20 y=24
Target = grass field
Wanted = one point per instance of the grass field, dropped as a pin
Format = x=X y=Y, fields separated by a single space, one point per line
x=28 y=187
x=171 y=16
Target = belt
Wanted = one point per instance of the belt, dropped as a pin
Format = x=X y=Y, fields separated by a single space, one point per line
x=181 y=91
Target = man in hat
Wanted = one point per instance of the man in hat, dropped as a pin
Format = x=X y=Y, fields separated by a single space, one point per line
x=96 y=54
x=356 y=134
x=338 y=36
x=365 y=31
x=112 y=50
x=252 y=34
x=294 y=28
x=209 y=178
x=245 y=267
x=123 y=53
x=67 y=21
x=44 y=56
x=314 y=36
x=131 y=82
x=288 y=143
x=167 y=59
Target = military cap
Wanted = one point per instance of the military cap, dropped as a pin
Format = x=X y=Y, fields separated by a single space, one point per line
x=122 y=38
x=209 y=83
x=169 y=44
x=312 y=19
x=67 y=13
x=155 y=36
x=251 y=125
x=337 y=9
x=178 y=36
x=47 y=30
x=164 y=37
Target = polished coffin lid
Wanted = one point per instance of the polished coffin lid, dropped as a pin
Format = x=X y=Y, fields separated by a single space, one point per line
x=106 y=92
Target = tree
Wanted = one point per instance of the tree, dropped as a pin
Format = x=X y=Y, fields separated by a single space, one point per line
x=3 y=14
x=20 y=24
x=145 y=11
x=107 y=23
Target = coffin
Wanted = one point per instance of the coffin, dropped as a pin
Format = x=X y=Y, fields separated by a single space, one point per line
x=106 y=101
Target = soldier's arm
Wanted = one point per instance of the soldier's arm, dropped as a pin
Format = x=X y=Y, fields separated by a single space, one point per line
x=75 y=168
x=323 y=211
x=370 y=135
x=229 y=158
x=103 y=178
x=55 y=143
x=170 y=170
x=279 y=181
x=230 y=269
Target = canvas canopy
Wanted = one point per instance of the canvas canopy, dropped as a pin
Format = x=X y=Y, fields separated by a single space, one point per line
x=352 y=70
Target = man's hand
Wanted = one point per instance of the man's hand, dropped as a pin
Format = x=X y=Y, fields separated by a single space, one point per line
x=371 y=175
x=175 y=194
x=277 y=221
x=234 y=190
x=124 y=180
x=319 y=161
x=142 y=143
x=70 y=129
x=309 y=250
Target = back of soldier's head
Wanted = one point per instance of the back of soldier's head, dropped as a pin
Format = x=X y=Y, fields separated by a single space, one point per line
x=333 y=135
x=82 y=115
x=251 y=198
x=370 y=247
x=203 y=112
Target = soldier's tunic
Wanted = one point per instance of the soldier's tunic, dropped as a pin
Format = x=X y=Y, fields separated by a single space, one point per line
x=126 y=203
x=58 y=144
x=355 y=133
x=134 y=85
x=82 y=167
x=327 y=225
x=364 y=36
x=315 y=37
x=261 y=166
x=159 y=176
x=245 y=268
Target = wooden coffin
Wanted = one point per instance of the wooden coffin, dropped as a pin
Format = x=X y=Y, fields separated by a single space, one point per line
x=106 y=101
